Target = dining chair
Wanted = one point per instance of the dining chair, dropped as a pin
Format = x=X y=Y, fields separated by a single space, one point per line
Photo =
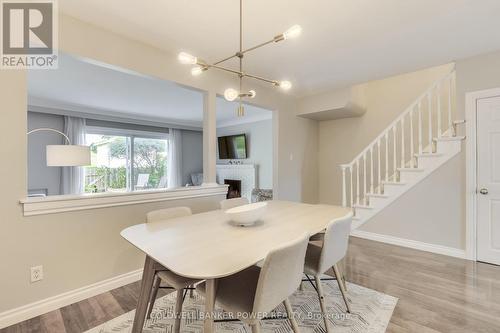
x=320 y=258
x=172 y=280
x=319 y=237
x=253 y=293
x=235 y=202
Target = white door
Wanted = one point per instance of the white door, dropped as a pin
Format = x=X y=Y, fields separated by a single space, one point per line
x=488 y=180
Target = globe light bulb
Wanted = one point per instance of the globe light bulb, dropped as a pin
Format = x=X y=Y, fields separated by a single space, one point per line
x=292 y=32
x=231 y=94
x=195 y=71
x=252 y=93
x=187 y=59
x=285 y=85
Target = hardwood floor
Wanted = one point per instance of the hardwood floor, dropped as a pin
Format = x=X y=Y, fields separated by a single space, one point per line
x=436 y=293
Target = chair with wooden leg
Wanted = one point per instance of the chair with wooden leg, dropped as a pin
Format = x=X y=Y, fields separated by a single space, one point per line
x=251 y=295
x=320 y=258
x=173 y=281
x=318 y=239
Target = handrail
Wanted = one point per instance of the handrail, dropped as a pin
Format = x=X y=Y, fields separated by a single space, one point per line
x=430 y=102
x=398 y=119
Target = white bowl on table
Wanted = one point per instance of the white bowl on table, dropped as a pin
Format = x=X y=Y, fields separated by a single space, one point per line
x=247 y=215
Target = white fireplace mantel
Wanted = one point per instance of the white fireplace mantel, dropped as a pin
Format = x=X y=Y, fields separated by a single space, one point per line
x=246 y=173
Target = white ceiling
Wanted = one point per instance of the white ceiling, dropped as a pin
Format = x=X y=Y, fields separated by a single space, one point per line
x=343 y=41
x=86 y=87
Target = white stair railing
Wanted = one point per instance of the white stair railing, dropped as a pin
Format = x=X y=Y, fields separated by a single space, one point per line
x=378 y=155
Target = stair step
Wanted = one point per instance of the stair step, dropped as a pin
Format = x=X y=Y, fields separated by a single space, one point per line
x=410 y=169
x=392 y=183
x=449 y=138
x=428 y=155
x=362 y=206
x=376 y=195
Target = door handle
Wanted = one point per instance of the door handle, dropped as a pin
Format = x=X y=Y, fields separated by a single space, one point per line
x=483 y=191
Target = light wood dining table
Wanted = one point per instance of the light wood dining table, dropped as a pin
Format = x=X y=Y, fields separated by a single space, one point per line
x=209 y=246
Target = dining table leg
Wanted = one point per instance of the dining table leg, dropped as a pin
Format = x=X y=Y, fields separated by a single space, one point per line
x=208 y=325
x=144 y=295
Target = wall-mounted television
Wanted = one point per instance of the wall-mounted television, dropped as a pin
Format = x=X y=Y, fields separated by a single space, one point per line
x=232 y=147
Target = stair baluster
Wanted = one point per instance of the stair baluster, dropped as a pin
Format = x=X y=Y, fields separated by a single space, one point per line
x=429 y=107
x=352 y=193
x=357 y=181
x=344 y=203
x=438 y=96
x=364 y=178
x=395 y=153
x=379 y=179
x=371 y=170
x=420 y=145
x=450 y=91
x=386 y=156
x=412 y=148
x=402 y=142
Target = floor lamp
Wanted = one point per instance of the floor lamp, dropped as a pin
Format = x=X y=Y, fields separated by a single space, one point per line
x=65 y=155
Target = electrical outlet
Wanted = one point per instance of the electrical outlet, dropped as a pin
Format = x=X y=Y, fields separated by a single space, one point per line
x=36 y=273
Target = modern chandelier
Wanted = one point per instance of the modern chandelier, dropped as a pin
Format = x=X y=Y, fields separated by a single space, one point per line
x=231 y=94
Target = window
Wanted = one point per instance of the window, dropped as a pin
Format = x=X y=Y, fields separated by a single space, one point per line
x=125 y=160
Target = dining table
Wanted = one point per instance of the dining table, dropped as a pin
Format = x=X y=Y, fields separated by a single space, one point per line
x=208 y=246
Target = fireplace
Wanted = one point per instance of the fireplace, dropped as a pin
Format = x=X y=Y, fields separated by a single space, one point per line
x=234 y=190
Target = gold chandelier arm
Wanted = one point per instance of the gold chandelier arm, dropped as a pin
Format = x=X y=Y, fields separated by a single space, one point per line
x=274 y=82
x=274 y=40
x=225 y=69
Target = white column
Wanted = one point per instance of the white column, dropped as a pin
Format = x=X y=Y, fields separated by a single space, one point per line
x=209 y=138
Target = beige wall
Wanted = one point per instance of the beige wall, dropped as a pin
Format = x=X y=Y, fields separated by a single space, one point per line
x=80 y=248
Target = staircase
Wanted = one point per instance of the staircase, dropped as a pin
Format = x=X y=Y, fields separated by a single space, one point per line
x=419 y=141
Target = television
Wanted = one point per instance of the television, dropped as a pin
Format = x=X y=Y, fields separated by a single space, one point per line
x=232 y=147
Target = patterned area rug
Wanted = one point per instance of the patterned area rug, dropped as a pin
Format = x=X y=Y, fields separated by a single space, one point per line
x=371 y=313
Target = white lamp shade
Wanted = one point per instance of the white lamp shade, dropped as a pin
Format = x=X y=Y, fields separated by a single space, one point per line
x=68 y=155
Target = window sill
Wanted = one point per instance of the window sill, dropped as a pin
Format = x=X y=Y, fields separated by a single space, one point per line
x=68 y=203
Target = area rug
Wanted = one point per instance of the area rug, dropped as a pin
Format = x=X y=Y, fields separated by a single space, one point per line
x=371 y=312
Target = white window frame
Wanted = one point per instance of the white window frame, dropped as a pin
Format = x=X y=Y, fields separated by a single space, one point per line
x=132 y=135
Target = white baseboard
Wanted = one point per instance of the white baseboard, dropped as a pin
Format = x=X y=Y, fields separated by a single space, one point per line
x=412 y=244
x=34 y=309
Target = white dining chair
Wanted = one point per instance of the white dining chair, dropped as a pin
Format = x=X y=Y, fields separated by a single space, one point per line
x=250 y=295
x=320 y=258
x=172 y=280
x=231 y=203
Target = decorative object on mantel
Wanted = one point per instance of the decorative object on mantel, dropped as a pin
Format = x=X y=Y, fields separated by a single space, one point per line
x=235 y=162
x=259 y=194
x=247 y=215
x=197 y=179
x=65 y=155
x=231 y=94
x=372 y=313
